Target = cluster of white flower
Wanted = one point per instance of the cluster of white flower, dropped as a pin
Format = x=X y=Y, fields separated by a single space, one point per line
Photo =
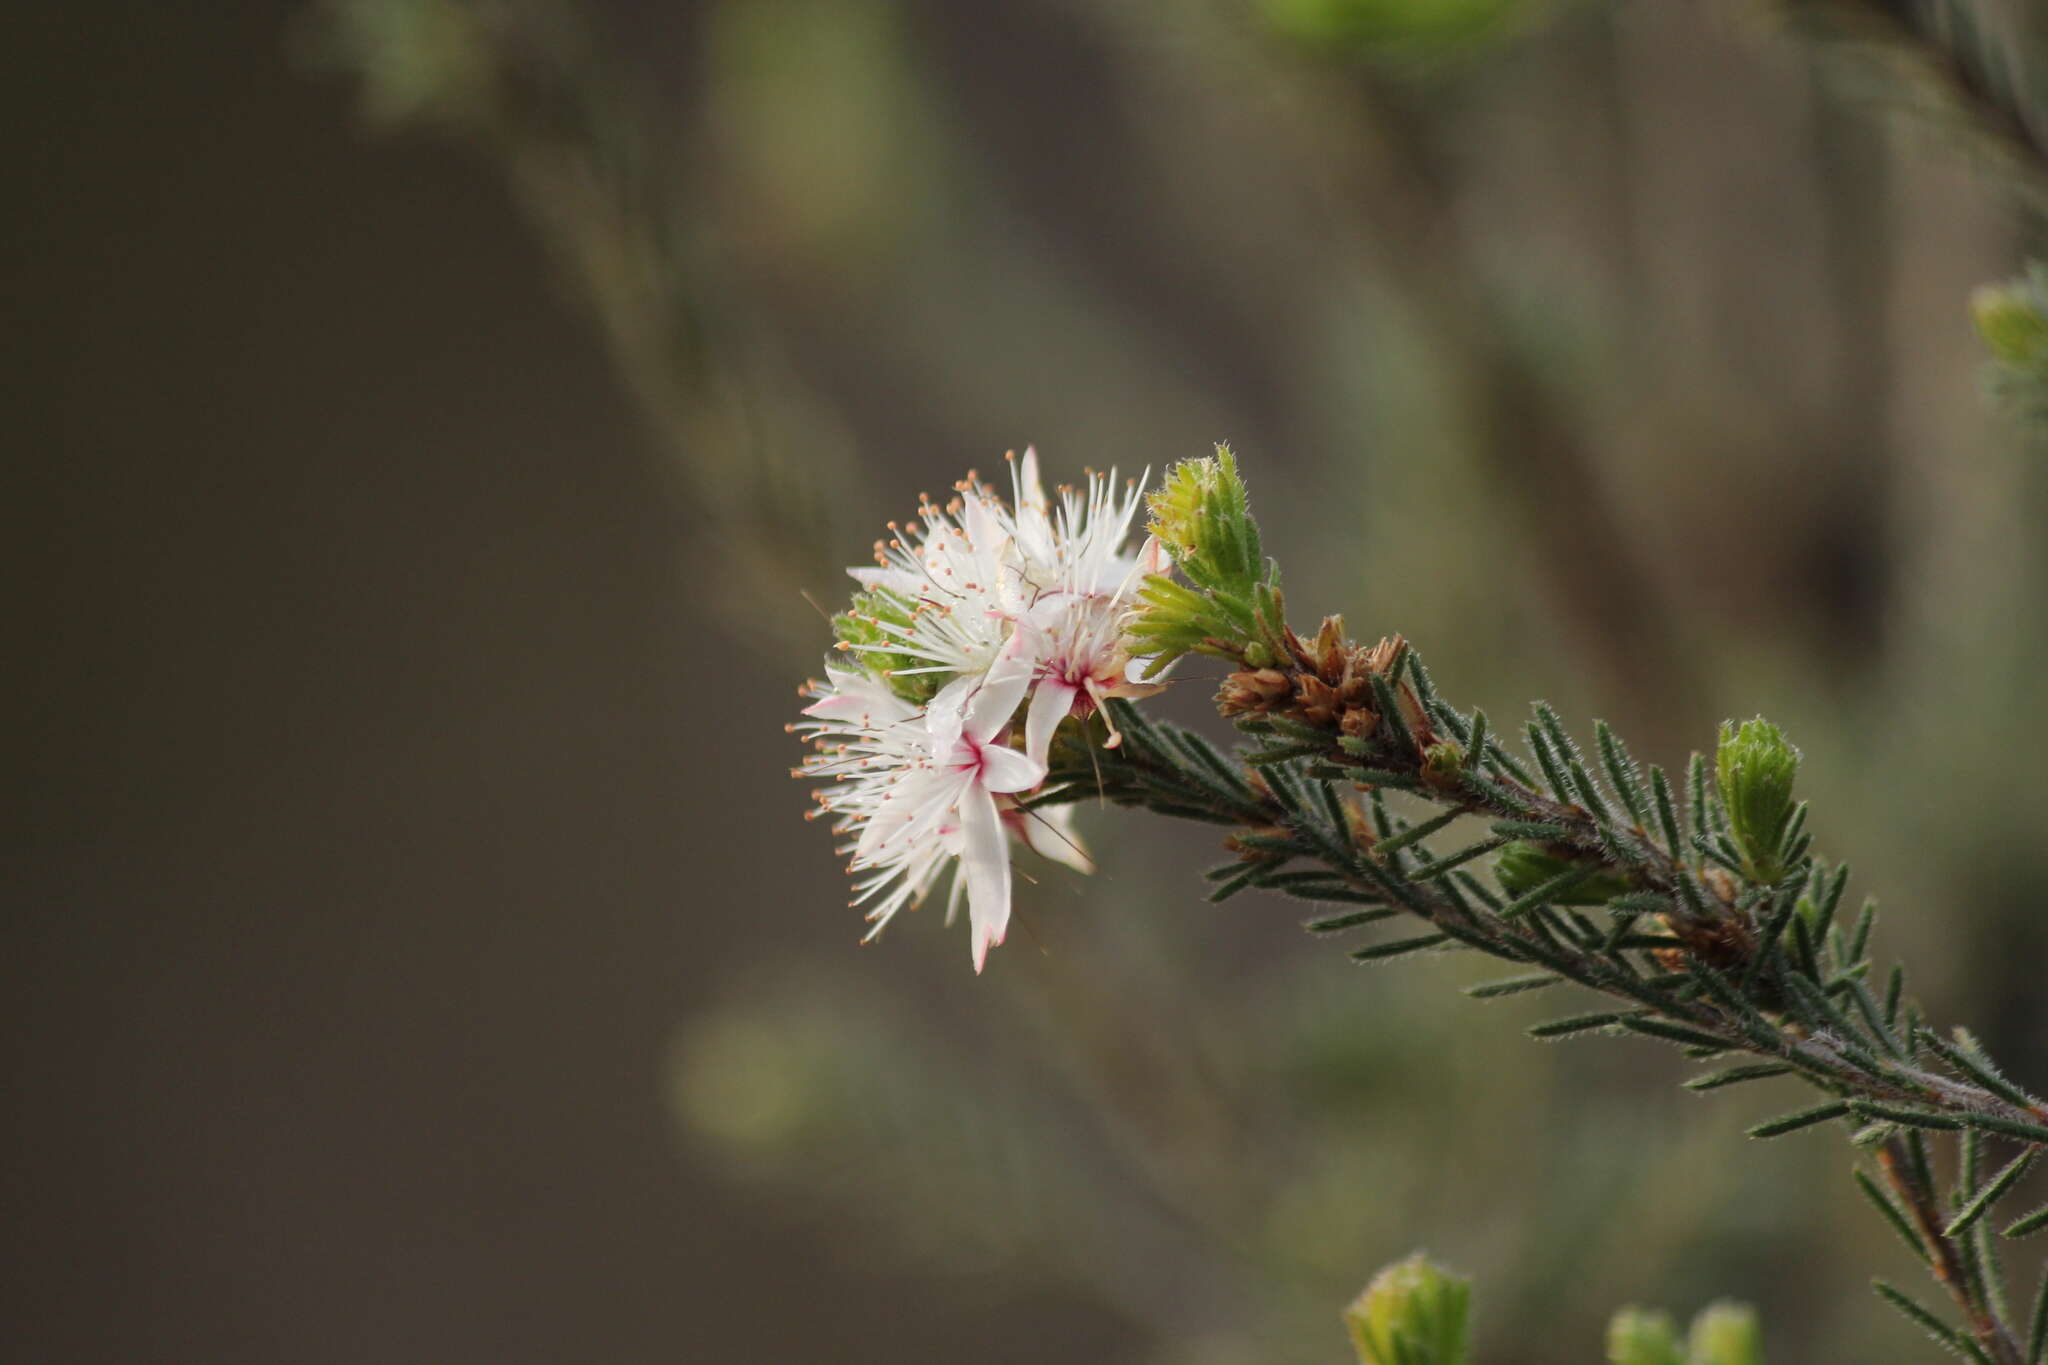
x=972 y=608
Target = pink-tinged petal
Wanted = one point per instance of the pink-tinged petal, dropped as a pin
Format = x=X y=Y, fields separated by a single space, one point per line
x=1049 y=832
x=1003 y=769
x=985 y=865
x=868 y=705
x=1051 y=703
x=1133 y=690
x=838 y=707
x=991 y=707
x=1152 y=557
x=1027 y=642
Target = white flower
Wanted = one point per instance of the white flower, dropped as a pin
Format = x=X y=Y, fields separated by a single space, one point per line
x=868 y=740
x=956 y=570
x=1049 y=583
x=1082 y=585
x=920 y=790
x=996 y=603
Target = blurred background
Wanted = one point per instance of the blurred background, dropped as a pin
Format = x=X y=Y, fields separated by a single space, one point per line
x=428 y=416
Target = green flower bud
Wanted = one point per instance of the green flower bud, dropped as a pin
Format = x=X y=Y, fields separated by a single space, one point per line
x=1443 y=764
x=1413 y=1313
x=1756 y=769
x=1230 y=606
x=1524 y=867
x=1202 y=517
x=863 y=631
x=1636 y=1336
x=1725 y=1334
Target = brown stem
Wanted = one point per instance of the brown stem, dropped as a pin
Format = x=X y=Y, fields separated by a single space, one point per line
x=1946 y=1260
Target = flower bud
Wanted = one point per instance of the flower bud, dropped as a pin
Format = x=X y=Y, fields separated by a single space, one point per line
x=1756 y=769
x=1413 y=1313
x=1725 y=1334
x=870 y=630
x=1636 y=1336
x=1443 y=764
x=1202 y=517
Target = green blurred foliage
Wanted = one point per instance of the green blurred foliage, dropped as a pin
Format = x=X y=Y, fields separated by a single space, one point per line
x=1434 y=28
x=2012 y=319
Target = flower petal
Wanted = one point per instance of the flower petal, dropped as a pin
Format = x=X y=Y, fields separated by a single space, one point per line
x=902 y=582
x=1049 y=832
x=984 y=527
x=946 y=713
x=995 y=701
x=1033 y=490
x=1153 y=558
x=985 y=865
x=1004 y=769
x=1051 y=702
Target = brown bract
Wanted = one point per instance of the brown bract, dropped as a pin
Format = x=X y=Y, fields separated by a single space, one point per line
x=1326 y=682
x=1725 y=944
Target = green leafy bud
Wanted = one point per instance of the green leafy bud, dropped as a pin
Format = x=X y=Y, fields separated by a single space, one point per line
x=1725 y=1334
x=1230 y=605
x=1413 y=1313
x=1443 y=764
x=1203 y=518
x=1524 y=867
x=1756 y=769
x=1636 y=1336
x=864 y=631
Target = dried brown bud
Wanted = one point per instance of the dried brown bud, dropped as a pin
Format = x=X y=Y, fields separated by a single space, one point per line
x=1670 y=959
x=1725 y=944
x=1327 y=651
x=1380 y=658
x=1359 y=722
x=1252 y=690
x=1314 y=701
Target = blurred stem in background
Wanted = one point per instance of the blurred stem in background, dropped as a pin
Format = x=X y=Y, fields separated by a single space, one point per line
x=1961 y=69
x=528 y=84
